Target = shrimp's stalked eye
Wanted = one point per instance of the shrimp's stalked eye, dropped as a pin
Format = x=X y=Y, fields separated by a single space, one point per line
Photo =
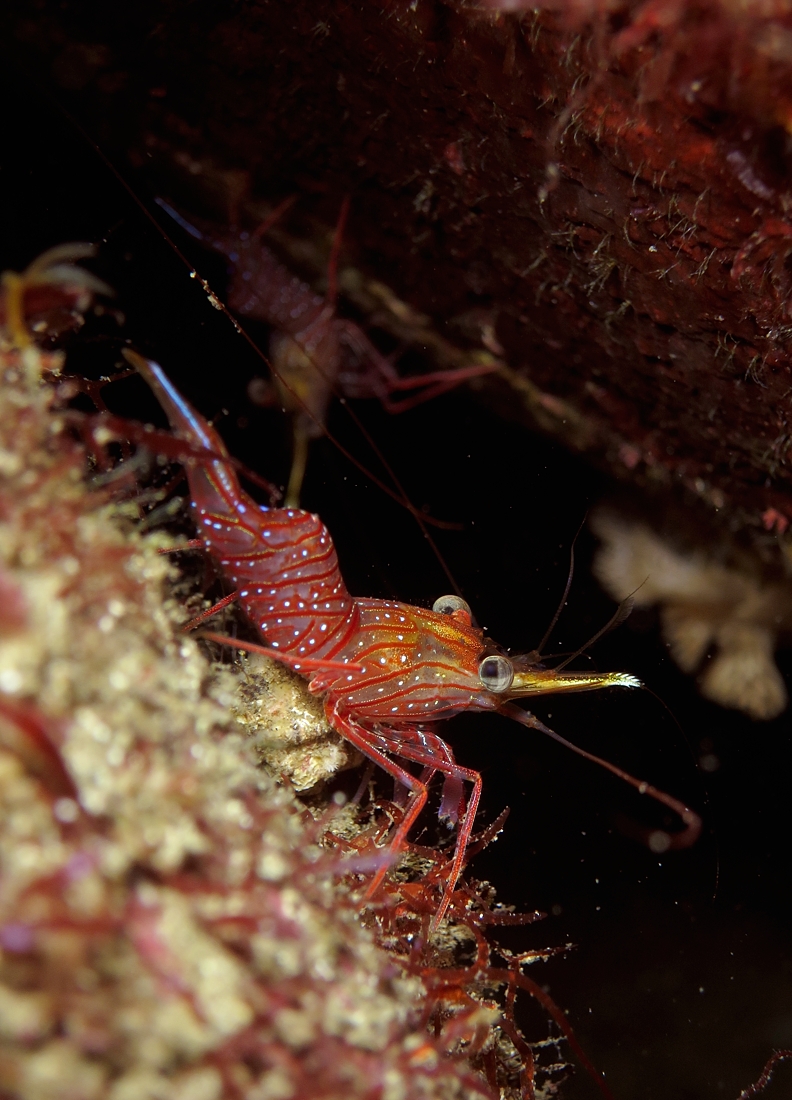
x=447 y=605
x=496 y=673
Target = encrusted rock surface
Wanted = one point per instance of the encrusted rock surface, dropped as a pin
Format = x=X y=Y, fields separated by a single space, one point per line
x=170 y=927
x=287 y=725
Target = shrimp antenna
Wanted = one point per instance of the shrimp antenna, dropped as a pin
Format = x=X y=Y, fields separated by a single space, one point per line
x=659 y=840
x=620 y=615
x=562 y=604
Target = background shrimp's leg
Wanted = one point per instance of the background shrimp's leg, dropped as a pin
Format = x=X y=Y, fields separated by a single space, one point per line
x=301 y=439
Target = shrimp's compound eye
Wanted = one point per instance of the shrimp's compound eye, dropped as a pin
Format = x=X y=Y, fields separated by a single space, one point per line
x=496 y=673
x=447 y=605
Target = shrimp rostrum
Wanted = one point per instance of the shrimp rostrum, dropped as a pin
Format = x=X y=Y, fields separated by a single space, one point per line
x=388 y=672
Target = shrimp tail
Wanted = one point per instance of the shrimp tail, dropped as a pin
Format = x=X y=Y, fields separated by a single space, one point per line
x=281 y=560
x=214 y=485
x=184 y=420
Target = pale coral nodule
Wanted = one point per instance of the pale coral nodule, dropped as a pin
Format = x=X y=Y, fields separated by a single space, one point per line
x=717 y=620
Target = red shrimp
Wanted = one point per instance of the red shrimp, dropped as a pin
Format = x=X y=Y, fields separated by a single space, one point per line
x=313 y=352
x=387 y=670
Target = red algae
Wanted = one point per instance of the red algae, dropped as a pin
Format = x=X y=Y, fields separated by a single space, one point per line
x=470 y=999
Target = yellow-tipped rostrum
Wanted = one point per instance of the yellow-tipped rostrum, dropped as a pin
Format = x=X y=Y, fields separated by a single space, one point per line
x=541 y=681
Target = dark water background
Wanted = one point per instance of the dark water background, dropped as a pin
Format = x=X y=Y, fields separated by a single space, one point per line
x=680 y=983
